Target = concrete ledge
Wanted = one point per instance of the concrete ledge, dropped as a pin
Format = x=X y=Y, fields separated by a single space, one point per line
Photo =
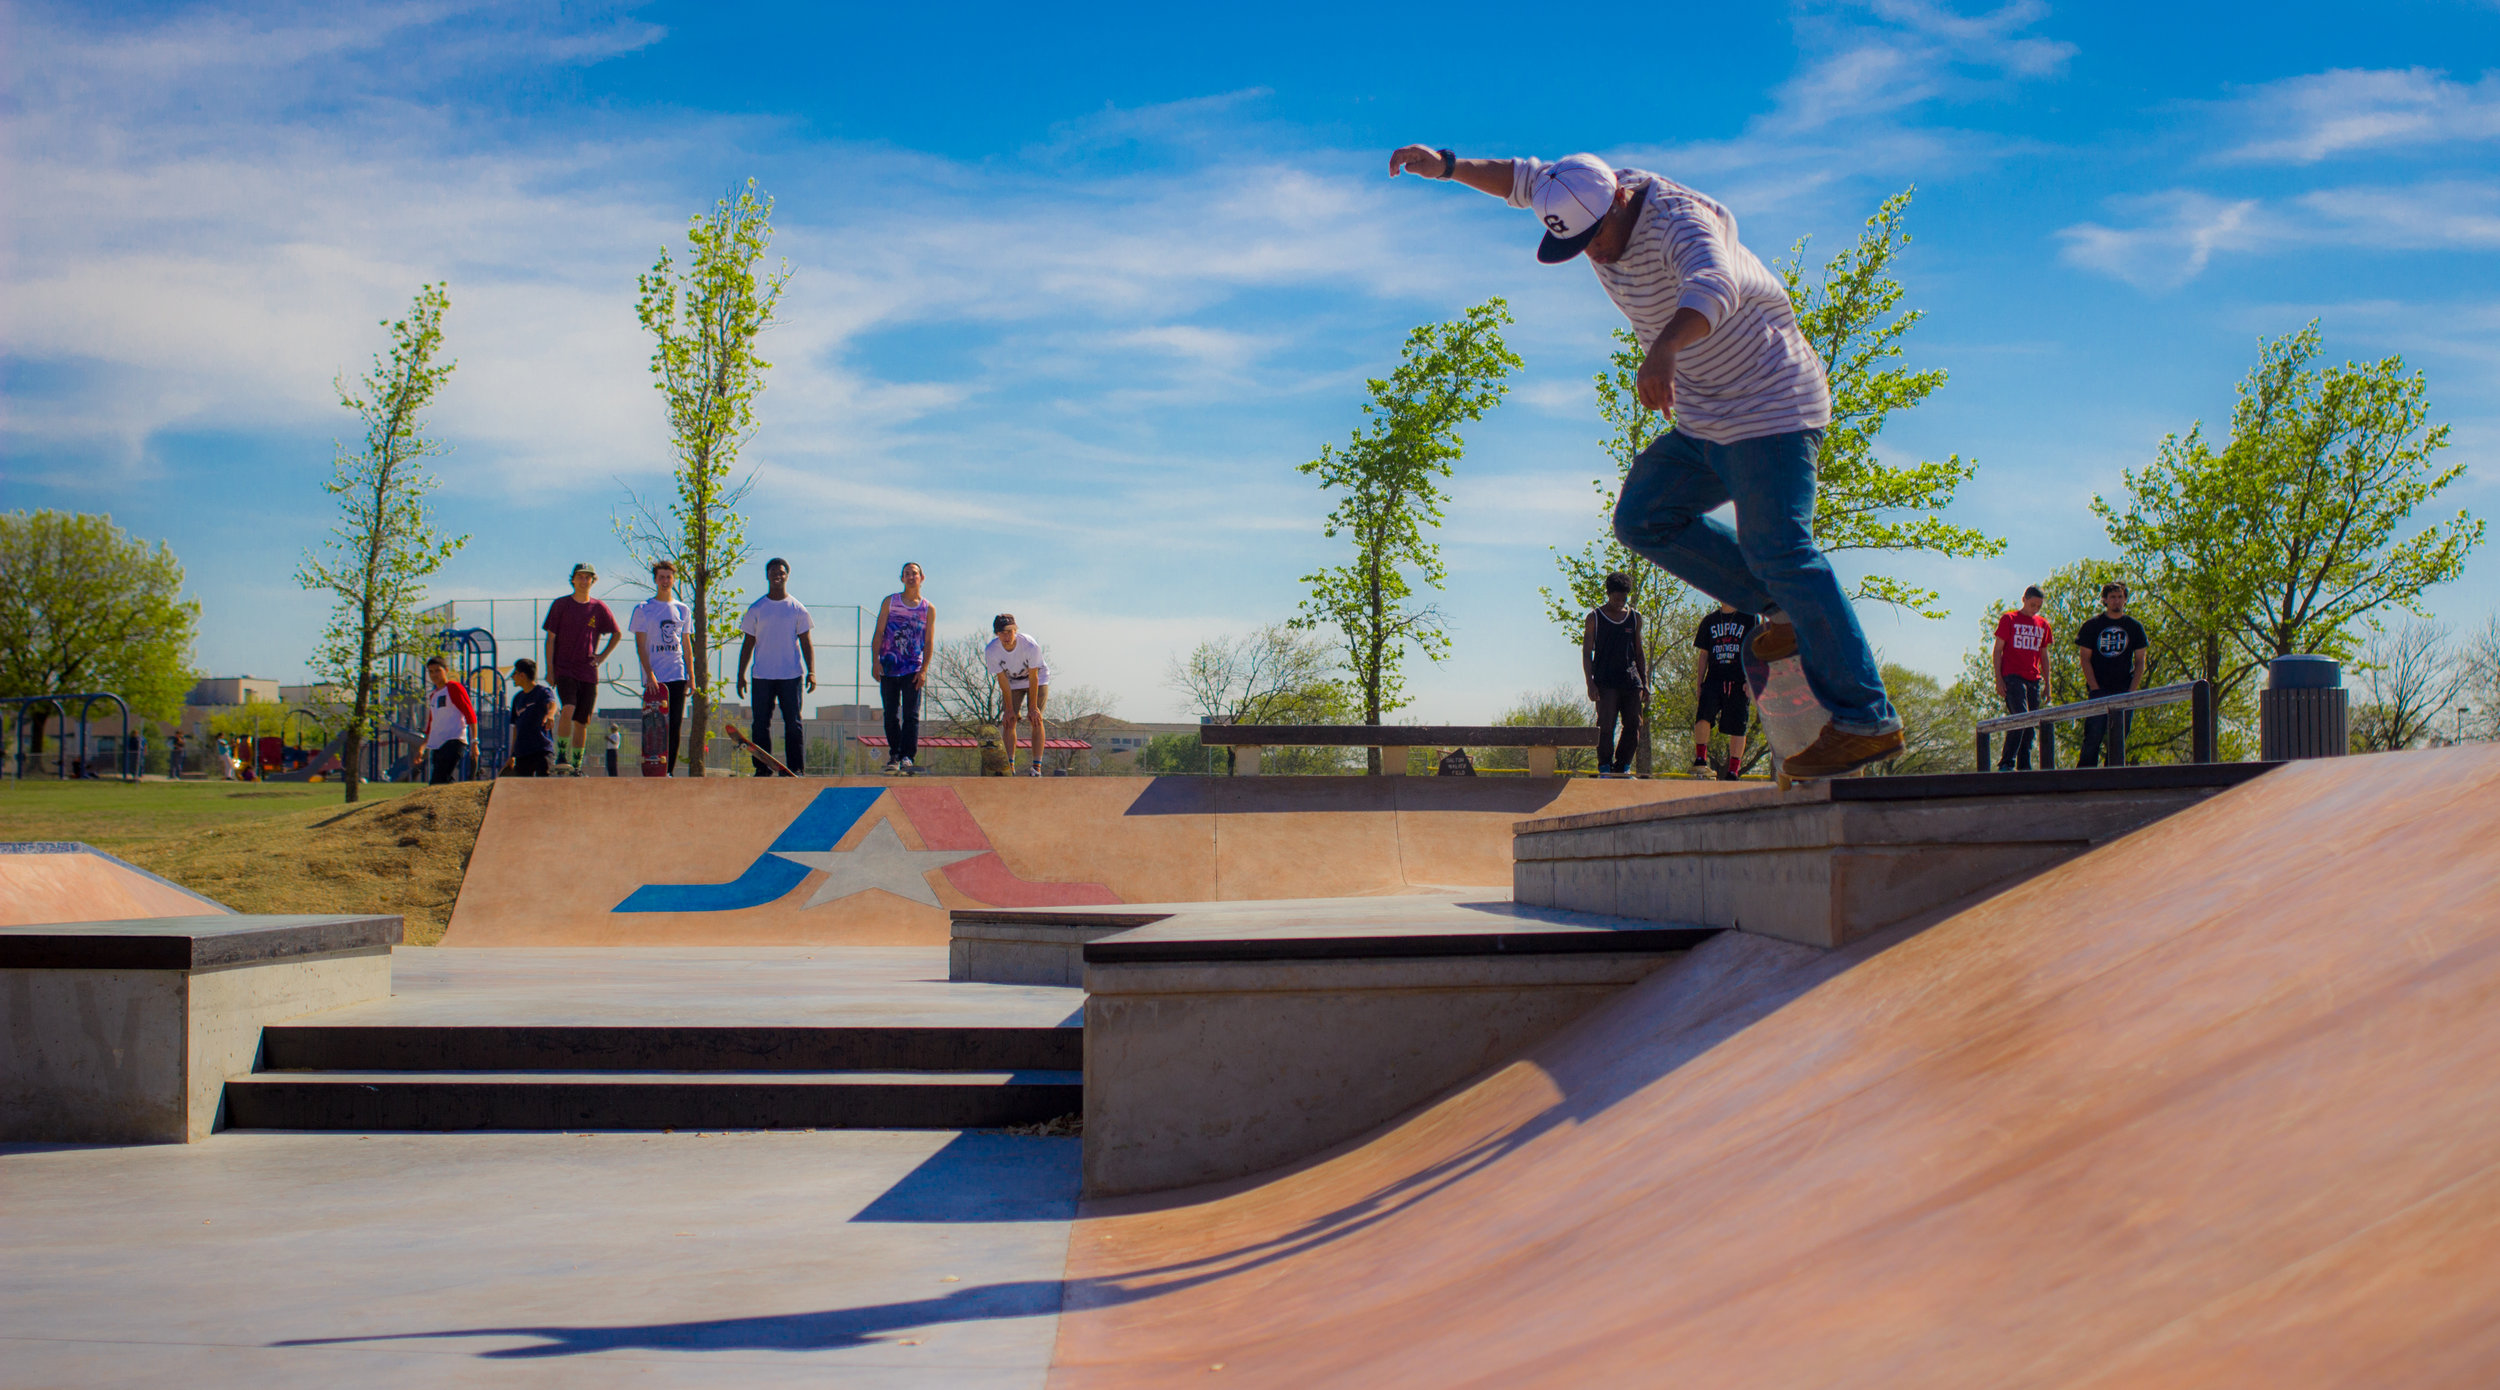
x=105 y=1053
x=1826 y=863
x=1031 y=947
x=1228 y=1041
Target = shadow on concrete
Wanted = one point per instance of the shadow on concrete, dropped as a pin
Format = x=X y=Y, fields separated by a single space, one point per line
x=1721 y=988
x=985 y=1176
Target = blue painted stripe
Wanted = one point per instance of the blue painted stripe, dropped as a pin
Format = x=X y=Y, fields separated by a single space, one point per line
x=819 y=827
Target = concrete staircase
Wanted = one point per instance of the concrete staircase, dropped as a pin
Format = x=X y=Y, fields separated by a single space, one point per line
x=564 y=1077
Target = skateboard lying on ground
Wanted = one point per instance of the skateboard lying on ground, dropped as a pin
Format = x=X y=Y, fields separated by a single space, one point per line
x=767 y=759
x=655 y=732
x=1791 y=717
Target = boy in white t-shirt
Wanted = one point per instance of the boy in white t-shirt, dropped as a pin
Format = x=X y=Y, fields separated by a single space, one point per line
x=661 y=640
x=777 y=641
x=1023 y=677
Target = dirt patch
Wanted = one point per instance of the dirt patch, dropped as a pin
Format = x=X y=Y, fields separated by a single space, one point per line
x=405 y=855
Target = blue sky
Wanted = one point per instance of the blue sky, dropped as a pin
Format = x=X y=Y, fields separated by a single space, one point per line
x=1072 y=297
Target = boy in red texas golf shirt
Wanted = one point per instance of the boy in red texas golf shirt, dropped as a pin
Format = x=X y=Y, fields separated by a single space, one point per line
x=2022 y=655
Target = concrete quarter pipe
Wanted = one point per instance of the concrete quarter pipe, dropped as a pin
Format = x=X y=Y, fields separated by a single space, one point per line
x=744 y=861
x=2215 y=1104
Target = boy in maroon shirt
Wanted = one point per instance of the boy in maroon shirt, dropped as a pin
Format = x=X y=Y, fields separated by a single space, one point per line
x=574 y=626
x=2022 y=655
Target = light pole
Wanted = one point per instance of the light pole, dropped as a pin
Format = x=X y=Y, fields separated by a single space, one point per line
x=2462 y=711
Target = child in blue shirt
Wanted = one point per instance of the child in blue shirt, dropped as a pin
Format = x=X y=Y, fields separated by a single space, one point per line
x=533 y=739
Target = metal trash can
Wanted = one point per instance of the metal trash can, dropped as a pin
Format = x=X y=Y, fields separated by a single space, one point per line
x=2302 y=712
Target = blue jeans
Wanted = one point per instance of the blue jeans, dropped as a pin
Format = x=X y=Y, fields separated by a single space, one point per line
x=784 y=693
x=1767 y=560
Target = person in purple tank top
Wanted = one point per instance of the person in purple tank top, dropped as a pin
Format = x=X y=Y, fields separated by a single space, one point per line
x=904 y=624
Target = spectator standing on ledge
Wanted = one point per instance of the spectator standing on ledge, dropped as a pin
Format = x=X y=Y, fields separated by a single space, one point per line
x=2022 y=662
x=1023 y=677
x=904 y=624
x=1724 y=360
x=777 y=640
x=616 y=740
x=448 y=719
x=660 y=624
x=173 y=756
x=533 y=711
x=574 y=625
x=2115 y=651
x=1615 y=663
x=1725 y=699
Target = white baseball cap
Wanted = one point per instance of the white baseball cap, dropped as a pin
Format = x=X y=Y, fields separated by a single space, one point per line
x=1572 y=195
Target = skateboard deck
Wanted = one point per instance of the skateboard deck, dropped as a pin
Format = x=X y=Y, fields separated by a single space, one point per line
x=738 y=737
x=655 y=733
x=1791 y=717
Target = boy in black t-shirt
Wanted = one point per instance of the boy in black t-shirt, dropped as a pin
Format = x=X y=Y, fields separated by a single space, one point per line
x=533 y=743
x=1615 y=663
x=2115 y=651
x=1725 y=698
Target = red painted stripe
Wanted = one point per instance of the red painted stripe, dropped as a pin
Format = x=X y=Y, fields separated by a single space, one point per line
x=944 y=822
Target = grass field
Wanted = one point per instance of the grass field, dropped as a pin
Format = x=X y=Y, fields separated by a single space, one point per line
x=282 y=847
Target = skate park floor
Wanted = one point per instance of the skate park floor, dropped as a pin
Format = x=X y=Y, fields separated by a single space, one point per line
x=748 y=986
x=273 y=1260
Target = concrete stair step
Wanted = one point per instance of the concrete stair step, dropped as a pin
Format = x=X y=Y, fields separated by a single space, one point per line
x=737 y=1048
x=649 y=1099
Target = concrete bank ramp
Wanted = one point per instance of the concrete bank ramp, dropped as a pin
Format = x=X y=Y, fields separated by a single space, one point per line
x=44 y=881
x=2215 y=1104
x=746 y=861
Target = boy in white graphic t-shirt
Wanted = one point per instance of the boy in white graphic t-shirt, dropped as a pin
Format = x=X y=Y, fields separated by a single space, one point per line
x=1023 y=677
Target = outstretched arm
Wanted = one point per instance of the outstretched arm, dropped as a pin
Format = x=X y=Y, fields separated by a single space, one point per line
x=1483 y=175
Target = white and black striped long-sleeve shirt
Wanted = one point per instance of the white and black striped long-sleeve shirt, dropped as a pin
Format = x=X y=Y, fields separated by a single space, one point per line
x=1755 y=374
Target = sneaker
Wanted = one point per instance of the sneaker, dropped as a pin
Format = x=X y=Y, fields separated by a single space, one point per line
x=1701 y=766
x=892 y=767
x=1032 y=769
x=1834 y=753
x=906 y=769
x=1773 y=642
x=1730 y=771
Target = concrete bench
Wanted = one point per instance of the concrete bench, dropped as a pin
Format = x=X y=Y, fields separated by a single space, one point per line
x=127 y=1031
x=1541 y=741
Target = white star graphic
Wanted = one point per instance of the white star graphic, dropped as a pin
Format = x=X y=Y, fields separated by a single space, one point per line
x=880 y=861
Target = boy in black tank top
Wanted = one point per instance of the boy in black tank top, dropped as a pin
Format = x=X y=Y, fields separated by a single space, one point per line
x=1615 y=663
x=1725 y=698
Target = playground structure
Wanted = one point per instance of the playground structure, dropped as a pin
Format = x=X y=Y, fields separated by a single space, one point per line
x=127 y=755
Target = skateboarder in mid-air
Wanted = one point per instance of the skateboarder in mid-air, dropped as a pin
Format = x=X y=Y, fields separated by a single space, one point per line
x=1748 y=402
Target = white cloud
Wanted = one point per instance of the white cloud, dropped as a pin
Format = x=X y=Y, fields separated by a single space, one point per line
x=2319 y=116
x=2174 y=237
x=1847 y=113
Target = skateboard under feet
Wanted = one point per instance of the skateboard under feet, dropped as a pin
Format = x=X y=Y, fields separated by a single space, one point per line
x=1791 y=717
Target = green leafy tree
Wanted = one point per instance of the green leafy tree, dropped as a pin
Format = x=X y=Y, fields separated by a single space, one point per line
x=384 y=546
x=84 y=606
x=1861 y=502
x=1670 y=610
x=1557 y=707
x=1277 y=674
x=704 y=322
x=2291 y=535
x=1936 y=723
x=1388 y=477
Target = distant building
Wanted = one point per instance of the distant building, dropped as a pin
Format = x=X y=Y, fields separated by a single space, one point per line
x=233 y=690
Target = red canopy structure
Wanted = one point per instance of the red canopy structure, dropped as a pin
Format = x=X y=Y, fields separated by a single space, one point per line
x=1053 y=745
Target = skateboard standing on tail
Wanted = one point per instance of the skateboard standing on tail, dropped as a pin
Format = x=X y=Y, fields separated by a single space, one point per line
x=770 y=763
x=654 y=731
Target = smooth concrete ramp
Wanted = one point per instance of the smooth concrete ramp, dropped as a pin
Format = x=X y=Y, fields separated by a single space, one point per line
x=2215 y=1104
x=727 y=861
x=44 y=881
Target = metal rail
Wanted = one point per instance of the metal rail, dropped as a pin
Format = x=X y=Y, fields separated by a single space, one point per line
x=2202 y=734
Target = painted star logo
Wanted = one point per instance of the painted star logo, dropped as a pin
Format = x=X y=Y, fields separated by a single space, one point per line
x=879 y=861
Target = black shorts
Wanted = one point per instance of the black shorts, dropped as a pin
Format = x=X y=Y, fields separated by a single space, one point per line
x=528 y=765
x=1726 y=702
x=579 y=696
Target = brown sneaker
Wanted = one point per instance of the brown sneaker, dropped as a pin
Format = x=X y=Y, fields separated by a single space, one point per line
x=1773 y=642
x=1834 y=753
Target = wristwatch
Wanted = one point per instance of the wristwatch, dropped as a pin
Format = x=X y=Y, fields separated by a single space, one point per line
x=1449 y=165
